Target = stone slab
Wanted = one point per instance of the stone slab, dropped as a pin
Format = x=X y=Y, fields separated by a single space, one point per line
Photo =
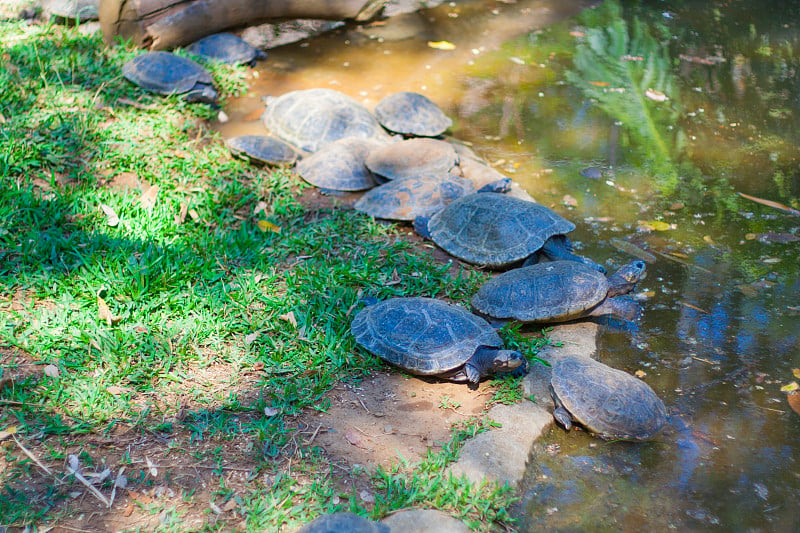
x=424 y=521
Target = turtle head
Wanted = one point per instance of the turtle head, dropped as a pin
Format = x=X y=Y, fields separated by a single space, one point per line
x=505 y=361
x=488 y=360
x=203 y=93
x=624 y=279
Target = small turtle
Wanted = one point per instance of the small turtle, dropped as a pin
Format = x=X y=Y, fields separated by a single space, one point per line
x=609 y=403
x=312 y=118
x=593 y=173
x=166 y=73
x=263 y=149
x=430 y=337
x=409 y=198
x=72 y=10
x=339 y=166
x=226 y=48
x=559 y=291
x=413 y=157
x=342 y=522
x=496 y=230
x=412 y=114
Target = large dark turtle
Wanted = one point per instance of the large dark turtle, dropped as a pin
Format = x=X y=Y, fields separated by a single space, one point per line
x=339 y=166
x=609 y=403
x=312 y=118
x=263 y=149
x=410 y=113
x=430 y=337
x=559 y=291
x=166 y=73
x=343 y=522
x=409 y=198
x=226 y=48
x=496 y=230
x=413 y=157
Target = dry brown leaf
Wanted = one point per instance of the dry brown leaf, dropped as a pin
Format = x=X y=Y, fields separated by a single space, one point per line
x=441 y=45
x=193 y=214
x=794 y=401
x=796 y=372
x=770 y=203
x=289 y=317
x=255 y=114
x=569 y=201
x=10 y=430
x=112 y=219
x=148 y=198
x=51 y=371
x=354 y=437
x=266 y=225
x=104 y=312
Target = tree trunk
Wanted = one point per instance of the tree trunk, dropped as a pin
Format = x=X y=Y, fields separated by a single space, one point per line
x=166 y=24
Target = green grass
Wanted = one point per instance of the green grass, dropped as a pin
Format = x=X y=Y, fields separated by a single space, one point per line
x=198 y=306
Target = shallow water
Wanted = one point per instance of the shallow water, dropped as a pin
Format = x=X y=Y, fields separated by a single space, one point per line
x=721 y=330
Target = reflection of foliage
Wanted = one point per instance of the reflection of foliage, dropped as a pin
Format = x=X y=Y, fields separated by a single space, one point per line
x=617 y=67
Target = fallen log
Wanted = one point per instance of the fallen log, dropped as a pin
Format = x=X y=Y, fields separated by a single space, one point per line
x=166 y=24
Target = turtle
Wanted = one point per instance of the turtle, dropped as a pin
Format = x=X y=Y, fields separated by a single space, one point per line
x=409 y=198
x=342 y=521
x=339 y=166
x=263 y=149
x=309 y=119
x=609 y=403
x=413 y=157
x=72 y=10
x=498 y=231
x=430 y=337
x=226 y=48
x=167 y=73
x=412 y=114
x=559 y=291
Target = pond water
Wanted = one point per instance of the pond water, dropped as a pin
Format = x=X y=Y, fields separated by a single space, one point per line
x=679 y=106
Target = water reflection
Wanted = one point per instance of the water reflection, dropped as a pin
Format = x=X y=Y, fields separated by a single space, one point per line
x=721 y=331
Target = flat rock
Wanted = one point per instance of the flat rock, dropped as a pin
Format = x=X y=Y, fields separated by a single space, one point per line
x=424 y=521
x=501 y=454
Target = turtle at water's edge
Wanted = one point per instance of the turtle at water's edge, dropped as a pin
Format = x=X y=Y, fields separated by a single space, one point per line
x=559 y=291
x=607 y=402
x=167 y=73
x=226 y=48
x=412 y=114
x=429 y=337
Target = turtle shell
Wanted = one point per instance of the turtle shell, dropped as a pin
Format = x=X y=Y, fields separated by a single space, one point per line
x=544 y=292
x=410 y=113
x=312 y=118
x=608 y=402
x=165 y=73
x=409 y=198
x=413 y=157
x=494 y=229
x=78 y=10
x=225 y=48
x=339 y=166
x=424 y=336
x=343 y=521
x=264 y=149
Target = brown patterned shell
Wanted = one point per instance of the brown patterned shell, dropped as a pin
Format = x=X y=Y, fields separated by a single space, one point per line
x=339 y=166
x=608 y=402
x=409 y=198
x=494 y=229
x=545 y=292
x=412 y=158
x=410 y=113
x=422 y=335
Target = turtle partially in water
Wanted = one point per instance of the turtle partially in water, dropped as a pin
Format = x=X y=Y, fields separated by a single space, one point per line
x=263 y=149
x=310 y=119
x=609 y=403
x=343 y=522
x=497 y=231
x=167 y=73
x=226 y=48
x=430 y=337
x=559 y=291
x=412 y=114
x=409 y=198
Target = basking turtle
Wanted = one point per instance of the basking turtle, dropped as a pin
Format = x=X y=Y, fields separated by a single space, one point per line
x=339 y=166
x=341 y=522
x=430 y=337
x=559 y=291
x=413 y=114
x=312 y=118
x=413 y=157
x=166 y=73
x=263 y=149
x=226 y=48
x=409 y=198
x=609 y=403
x=72 y=10
x=496 y=230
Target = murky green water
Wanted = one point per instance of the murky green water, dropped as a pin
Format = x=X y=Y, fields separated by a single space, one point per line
x=681 y=105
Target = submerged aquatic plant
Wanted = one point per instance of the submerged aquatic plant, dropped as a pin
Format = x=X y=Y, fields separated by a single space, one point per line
x=627 y=72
